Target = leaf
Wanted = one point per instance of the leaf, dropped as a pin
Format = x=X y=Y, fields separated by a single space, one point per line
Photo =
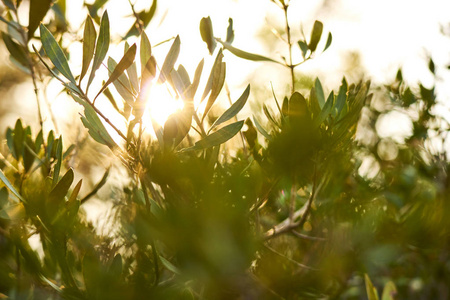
x=341 y=97
x=75 y=192
x=8 y=184
x=370 y=289
x=101 y=48
x=58 y=157
x=14 y=211
x=230 y=31
x=55 y=53
x=234 y=109
x=319 y=93
x=145 y=51
x=218 y=81
x=4 y=196
x=261 y=129
x=389 y=291
x=327 y=108
x=88 y=45
x=122 y=84
x=145 y=17
x=219 y=137
x=329 y=40
x=148 y=73
x=206 y=31
x=304 y=47
x=9 y=4
x=298 y=109
x=269 y=115
x=246 y=55
x=316 y=33
x=15 y=50
x=190 y=92
x=169 y=266
x=170 y=60
x=38 y=10
x=58 y=193
x=208 y=86
x=124 y=63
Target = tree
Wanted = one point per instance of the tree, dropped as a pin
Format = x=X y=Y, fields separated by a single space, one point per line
x=290 y=213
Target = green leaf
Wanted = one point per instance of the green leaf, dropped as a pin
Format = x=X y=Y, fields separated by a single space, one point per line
x=170 y=60
x=206 y=31
x=329 y=40
x=209 y=83
x=298 y=109
x=38 y=10
x=145 y=51
x=230 y=31
x=88 y=45
x=316 y=34
x=58 y=193
x=124 y=63
x=190 y=92
x=218 y=81
x=389 y=291
x=169 y=266
x=261 y=129
x=8 y=184
x=59 y=147
x=4 y=196
x=304 y=47
x=9 y=4
x=234 y=109
x=122 y=83
x=132 y=72
x=101 y=48
x=75 y=192
x=269 y=116
x=341 y=97
x=15 y=50
x=319 y=93
x=55 y=53
x=370 y=289
x=246 y=55
x=327 y=109
x=219 y=137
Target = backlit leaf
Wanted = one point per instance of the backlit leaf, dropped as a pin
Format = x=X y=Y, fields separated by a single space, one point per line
x=58 y=193
x=234 y=109
x=122 y=84
x=145 y=50
x=101 y=48
x=217 y=84
x=59 y=147
x=170 y=60
x=190 y=92
x=8 y=184
x=230 y=31
x=15 y=50
x=219 y=137
x=261 y=129
x=37 y=12
x=55 y=53
x=88 y=45
x=304 y=47
x=319 y=93
x=169 y=266
x=316 y=34
x=217 y=64
x=245 y=55
x=124 y=63
x=370 y=289
x=206 y=31
x=389 y=291
x=329 y=40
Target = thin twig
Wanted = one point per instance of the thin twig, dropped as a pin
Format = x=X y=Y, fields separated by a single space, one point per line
x=290 y=259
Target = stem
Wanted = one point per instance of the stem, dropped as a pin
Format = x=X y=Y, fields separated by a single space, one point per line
x=288 y=33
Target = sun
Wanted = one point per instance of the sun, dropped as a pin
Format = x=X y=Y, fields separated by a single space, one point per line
x=160 y=104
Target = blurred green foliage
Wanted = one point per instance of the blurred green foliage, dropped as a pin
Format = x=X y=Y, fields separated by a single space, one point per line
x=290 y=207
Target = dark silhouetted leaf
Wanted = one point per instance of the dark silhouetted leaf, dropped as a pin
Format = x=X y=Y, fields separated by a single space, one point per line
x=170 y=60
x=123 y=64
x=88 y=45
x=55 y=53
x=58 y=156
x=38 y=10
x=316 y=34
x=329 y=40
x=219 y=137
x=206 y=31
x=58 y=193
x=9 y=4
x=304 y=47
x=234 y=109
x=15 y=50
x=230 y=31
x=246 y=55
x=101 y=48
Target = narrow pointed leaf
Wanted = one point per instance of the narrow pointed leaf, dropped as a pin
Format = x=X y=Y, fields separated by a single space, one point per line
x=370 y=289
x=57 y=168
x=58 y=193
x=234 y=109
x=15 y=50
x=124 y=63
x=219 y=137
x=190 y=92
x=319 y=93
x=217 y=84
x=38 y=10
x=327 y=109
x=261 y=129
x=169 y=266
x=341 y=97
x=209 y=83
x=55 y=53
x=88 y=45
x=122 y=84
x=230 y=31
x=145 y=50
x=304 y=47
x=8 y=184
x=269 y=116
x=101 y=48
x=245 y=55
x=316 y=34
x=9 y=4
x=206 y=31
x=389 y=291
x=329 y=40
x=170 y=60
x=75 y=192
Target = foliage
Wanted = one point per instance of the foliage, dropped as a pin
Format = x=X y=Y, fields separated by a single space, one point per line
x=287 y=211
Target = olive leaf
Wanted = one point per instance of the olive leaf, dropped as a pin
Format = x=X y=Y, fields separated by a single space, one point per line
x=37 y=12
x=88 y=45
x=170 y=60
x=206 y=31
x=101 y=48
x=316 y=34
